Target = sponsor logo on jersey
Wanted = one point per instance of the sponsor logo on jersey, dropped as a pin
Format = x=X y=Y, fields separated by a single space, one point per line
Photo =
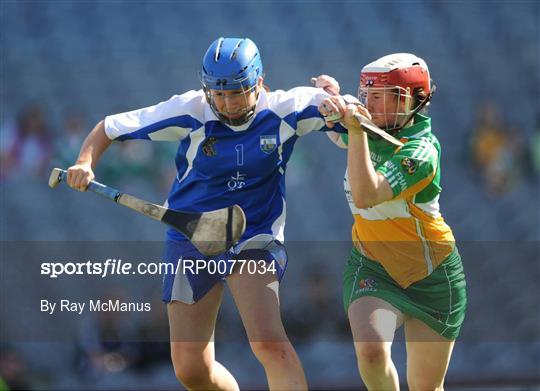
x=409 y=165
x=375 y=158
x=367 y=285
x=237 y=182
x=268 y=143
x=401 y=181
x=208 y=147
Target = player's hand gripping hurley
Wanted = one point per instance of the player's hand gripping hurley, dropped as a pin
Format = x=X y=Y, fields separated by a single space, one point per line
x=368 y=127
x=331 y=86
x=373 y=130
x=212 y=233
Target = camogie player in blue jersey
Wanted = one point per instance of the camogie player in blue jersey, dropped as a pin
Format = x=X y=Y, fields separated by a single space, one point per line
x=235 y=140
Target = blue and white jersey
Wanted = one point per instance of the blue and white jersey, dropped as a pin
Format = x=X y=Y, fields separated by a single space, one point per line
x=220 y=165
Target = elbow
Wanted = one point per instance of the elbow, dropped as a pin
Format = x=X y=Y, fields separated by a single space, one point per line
x=368 y=195
x=362 y=201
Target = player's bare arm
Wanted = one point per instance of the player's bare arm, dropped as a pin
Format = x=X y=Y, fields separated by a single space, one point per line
x=368 y=187
x=81 y=173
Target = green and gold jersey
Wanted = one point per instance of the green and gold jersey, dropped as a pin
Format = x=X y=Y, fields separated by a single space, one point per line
x=407 y=234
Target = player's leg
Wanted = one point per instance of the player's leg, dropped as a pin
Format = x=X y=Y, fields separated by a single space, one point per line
x=428 y=356
x=192 y=346
x=373 y=323
x=440 y=301
x=192 y=323
x=257 y=299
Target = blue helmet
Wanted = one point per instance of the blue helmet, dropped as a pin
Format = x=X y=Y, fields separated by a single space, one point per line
x=231 y=64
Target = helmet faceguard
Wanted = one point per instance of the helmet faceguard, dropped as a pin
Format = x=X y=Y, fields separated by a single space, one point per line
x=230 y=73
x=402 y=82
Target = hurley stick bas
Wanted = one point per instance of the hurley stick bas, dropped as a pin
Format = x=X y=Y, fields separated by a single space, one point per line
x=212 y=232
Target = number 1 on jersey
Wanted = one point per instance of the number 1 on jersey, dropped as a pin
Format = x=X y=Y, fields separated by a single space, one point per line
x=239 y=154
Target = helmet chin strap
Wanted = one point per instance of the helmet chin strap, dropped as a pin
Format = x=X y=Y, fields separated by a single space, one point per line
x=233 y=121
x=422 y=104
x=249 y=114
x=240 y=120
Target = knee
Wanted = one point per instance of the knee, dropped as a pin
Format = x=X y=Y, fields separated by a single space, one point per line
x=192 y=374
x=274 y=352
x=372 y=353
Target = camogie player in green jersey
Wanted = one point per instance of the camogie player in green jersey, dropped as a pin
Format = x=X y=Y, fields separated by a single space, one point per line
x=404 y=267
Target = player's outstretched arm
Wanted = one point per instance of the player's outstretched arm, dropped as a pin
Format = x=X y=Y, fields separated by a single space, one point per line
x=81 y=173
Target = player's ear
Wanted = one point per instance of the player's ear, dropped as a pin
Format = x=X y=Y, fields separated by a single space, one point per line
x=261 y=85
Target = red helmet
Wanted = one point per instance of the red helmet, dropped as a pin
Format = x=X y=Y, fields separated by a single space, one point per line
x=403 y=74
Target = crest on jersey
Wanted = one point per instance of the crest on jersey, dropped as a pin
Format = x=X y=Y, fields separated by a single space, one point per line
x=409 y=165
x=268 y=143
x=208 y=146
